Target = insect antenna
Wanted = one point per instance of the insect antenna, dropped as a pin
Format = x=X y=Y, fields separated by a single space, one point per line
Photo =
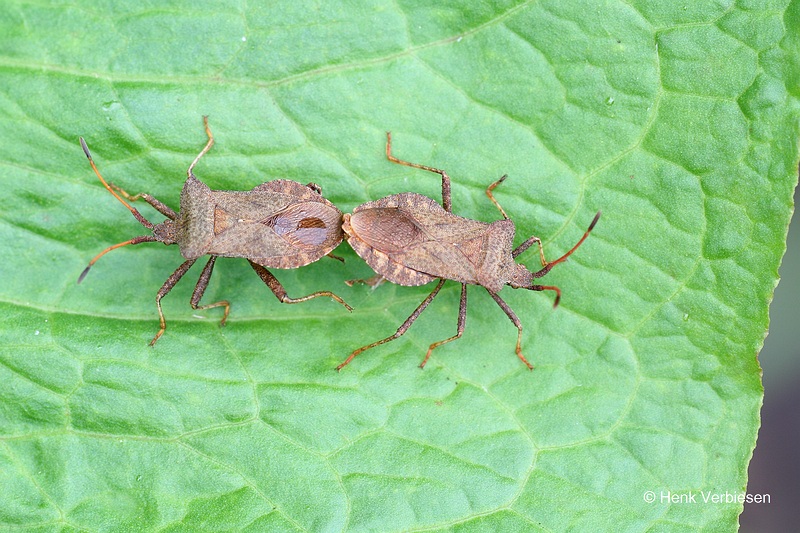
x=549 y=265
x=548 y=288
x=143 y=221
x=135 y=240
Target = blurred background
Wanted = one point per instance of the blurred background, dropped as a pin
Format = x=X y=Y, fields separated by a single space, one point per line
x=775 y=468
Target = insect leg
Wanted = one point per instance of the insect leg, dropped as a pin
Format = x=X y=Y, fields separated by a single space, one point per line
x=527 y=244
x=401 y=330
x=489 y=190
x=205 y=149
x=157 y=204
x=314 y=187
x=446 y=203
x=280 y=293
x=332 y=256
x=200 y=289
x=171 y=281
x=508 y=311
x=373 y=282
x=462 y=320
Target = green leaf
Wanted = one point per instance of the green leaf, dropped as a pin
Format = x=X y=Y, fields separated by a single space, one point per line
x=679 y=121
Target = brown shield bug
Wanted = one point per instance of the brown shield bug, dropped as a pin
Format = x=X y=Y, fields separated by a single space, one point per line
x=411 y=240
x=278 y=224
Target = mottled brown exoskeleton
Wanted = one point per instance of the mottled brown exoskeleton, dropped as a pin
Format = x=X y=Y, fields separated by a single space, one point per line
x=278 y=224
x=411 y=240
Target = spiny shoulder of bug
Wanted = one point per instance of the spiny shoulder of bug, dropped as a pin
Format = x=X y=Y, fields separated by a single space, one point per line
x=172 y=230
x=195 y=202
x=169 y=231
x=500 y=254
x=508 y=271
